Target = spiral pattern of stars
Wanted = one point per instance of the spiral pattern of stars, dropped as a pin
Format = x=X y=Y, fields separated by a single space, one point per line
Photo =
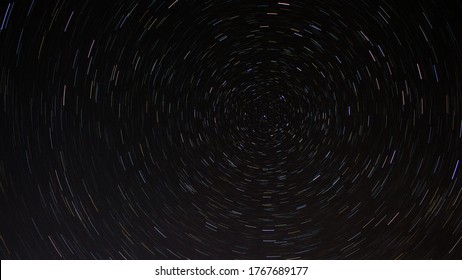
x=183 y=129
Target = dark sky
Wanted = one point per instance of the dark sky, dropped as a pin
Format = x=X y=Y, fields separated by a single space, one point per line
x=185 y=129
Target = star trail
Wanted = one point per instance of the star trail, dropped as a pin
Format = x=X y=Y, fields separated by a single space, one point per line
x=230 y=129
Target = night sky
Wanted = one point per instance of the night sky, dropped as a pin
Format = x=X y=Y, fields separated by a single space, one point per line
x=314 y=129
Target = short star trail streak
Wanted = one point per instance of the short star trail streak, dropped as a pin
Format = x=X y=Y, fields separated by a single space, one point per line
x=230 y=129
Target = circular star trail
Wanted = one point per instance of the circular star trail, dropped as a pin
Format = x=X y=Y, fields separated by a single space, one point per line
x=230 y=129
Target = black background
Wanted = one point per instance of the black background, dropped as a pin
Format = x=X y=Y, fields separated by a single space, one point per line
x=230 y=130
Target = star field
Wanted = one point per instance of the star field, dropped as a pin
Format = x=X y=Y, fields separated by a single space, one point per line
x=230 y=129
